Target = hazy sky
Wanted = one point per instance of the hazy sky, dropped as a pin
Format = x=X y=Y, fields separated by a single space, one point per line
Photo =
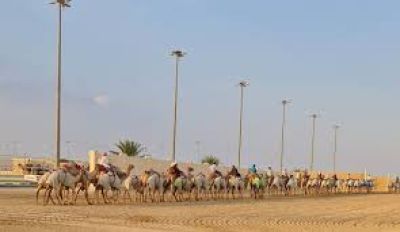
x=341 y=57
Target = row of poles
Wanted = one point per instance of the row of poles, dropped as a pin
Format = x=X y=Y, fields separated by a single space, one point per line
x=178 y=54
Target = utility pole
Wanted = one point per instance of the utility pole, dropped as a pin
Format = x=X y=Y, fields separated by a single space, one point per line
x=335 y=129
x=61 y=4
x=314 y=118
x=178 y=54
x=242 y=85
x=284 y=103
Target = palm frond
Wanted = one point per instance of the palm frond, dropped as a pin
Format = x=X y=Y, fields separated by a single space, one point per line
x=210 y=159
x=130 y=147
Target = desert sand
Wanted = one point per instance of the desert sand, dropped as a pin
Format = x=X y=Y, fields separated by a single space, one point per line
x=368 y=213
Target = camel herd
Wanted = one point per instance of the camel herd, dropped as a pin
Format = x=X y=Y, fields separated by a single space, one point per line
x=65 y=185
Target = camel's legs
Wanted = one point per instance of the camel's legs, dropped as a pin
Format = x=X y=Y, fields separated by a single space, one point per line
x=124 y=195
x=46 y=196
x=40 y=187
x=96 y=194
x=52 y=200
x=105 y=197
x=77 y=193
x=67 y=196
x=87 y=195
x=58 y=195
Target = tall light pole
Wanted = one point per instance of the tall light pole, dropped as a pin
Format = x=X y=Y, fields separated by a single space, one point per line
x=284 y=103
x=242 y=84
x=314 y=118
x=61 y=4
x=335 y=130
x=178 y=54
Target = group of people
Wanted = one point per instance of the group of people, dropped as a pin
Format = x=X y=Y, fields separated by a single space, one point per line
x=212 y=171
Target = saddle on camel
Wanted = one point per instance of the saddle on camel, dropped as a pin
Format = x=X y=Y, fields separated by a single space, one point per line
x=233 y=172
x=213 y=172
x=253 y=178
x=173 y=173
x=105 y=167
x=232 y=175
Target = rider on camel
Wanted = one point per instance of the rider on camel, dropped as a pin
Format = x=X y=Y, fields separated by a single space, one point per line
x=321 y=176
x=190 y=172
x=174 y=172
x=284 y=173
x=253 y=169
x=105 y=163
x=348 y=177
x=270 y=173
x=234 y=172
x=306 y=174
x=213 y=172
x=106 y=166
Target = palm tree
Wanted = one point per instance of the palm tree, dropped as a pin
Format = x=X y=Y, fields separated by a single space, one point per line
x=129 y=147
x=210 y=159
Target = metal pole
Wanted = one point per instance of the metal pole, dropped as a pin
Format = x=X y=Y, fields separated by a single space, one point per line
x=335 y=148
x=284 y=102
x=178 y=54
x=240 y=126
x=58 y=107
x=314 y=117
x=175 y=108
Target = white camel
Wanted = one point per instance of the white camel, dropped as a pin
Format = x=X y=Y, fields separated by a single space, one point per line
x=218 y=187
x=235 y=184
x=132 y=184
x=200 y=186
x=108 y=182
x=60 y=179
x=292 y=185
x=41 y=185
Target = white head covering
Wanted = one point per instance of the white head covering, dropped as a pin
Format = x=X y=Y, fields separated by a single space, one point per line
x=173 y=164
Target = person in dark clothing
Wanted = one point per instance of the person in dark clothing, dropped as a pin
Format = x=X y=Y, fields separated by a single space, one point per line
x=234 y=172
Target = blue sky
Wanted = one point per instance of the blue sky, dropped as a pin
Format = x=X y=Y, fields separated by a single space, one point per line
x=340 y=57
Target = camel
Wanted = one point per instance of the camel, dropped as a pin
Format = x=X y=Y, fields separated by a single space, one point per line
x=235 y=184
x=257 y=185
x=218 y=187
x=83 y=184
x=291 y=185
x=278 y=183
x=394 y=185
x=41 y=185
x=338 y=186
x=111 y=181
x=349 y=185
x=154 y=183
x=303 y=183
x=313 y=186
x=60 y=179
x=200 y=186
x=178 y=187
x=328 y=185
x=132 y=182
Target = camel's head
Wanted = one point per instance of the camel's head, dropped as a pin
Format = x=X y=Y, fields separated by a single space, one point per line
x=130 y=167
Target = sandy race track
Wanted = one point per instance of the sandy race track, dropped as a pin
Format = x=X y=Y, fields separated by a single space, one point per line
x=368 y=213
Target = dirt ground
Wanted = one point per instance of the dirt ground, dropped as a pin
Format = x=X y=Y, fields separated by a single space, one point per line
x=367 y=213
